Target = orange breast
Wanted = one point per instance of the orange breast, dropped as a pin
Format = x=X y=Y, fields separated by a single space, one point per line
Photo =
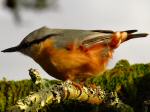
x=73 y=64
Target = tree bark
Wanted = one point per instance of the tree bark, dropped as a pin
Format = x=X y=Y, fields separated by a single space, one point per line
x=59 y=92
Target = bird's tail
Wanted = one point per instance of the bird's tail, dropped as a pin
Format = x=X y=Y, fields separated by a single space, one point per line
x=123 y=36
x=132 y=34
x=106 y=37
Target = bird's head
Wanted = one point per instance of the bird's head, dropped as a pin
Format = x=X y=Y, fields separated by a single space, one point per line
x=32 y=44
x=31 y=51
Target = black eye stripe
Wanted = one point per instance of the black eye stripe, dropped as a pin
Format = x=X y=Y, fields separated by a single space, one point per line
x=28 y=44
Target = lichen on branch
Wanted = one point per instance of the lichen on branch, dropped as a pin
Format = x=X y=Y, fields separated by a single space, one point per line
x=59 y=92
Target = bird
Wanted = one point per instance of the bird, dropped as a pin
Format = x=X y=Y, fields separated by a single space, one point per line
x=73 y=54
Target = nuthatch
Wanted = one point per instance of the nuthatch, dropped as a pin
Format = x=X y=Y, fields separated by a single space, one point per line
x=72 y=54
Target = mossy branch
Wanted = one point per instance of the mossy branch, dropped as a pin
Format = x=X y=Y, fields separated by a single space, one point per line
x=131 y=82
x=60 y=92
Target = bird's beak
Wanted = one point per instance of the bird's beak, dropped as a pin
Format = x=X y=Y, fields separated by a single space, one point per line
x=12 y=49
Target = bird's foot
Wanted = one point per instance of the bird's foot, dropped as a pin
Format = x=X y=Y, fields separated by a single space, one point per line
x=77 y=85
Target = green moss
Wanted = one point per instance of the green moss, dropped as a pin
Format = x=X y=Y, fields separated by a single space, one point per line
x=131 y=82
